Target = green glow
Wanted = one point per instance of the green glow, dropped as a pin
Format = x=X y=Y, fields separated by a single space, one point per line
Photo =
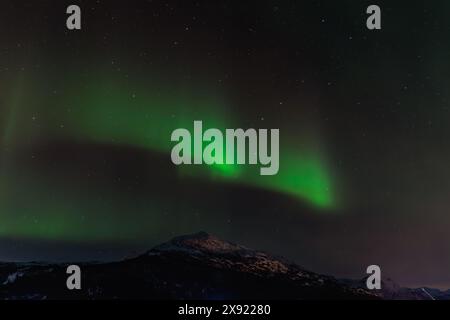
x=52 y=210
x=142 y=118
x=304 y=176
x=109 y=113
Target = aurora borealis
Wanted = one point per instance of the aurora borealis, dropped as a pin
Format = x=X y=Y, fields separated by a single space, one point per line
x=86 y=118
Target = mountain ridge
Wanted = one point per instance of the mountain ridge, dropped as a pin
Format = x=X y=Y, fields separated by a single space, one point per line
x=196 y=266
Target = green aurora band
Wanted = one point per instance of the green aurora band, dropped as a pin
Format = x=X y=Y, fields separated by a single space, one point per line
x=32 y=206
x=111 y=114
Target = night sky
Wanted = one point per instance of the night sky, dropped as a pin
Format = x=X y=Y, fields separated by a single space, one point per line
x=364 y=119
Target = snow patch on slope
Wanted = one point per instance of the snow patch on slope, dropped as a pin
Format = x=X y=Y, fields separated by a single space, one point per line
x=13 y=277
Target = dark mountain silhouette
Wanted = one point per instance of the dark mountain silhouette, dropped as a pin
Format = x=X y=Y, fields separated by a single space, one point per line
x=390 y=290
x=197 y=266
